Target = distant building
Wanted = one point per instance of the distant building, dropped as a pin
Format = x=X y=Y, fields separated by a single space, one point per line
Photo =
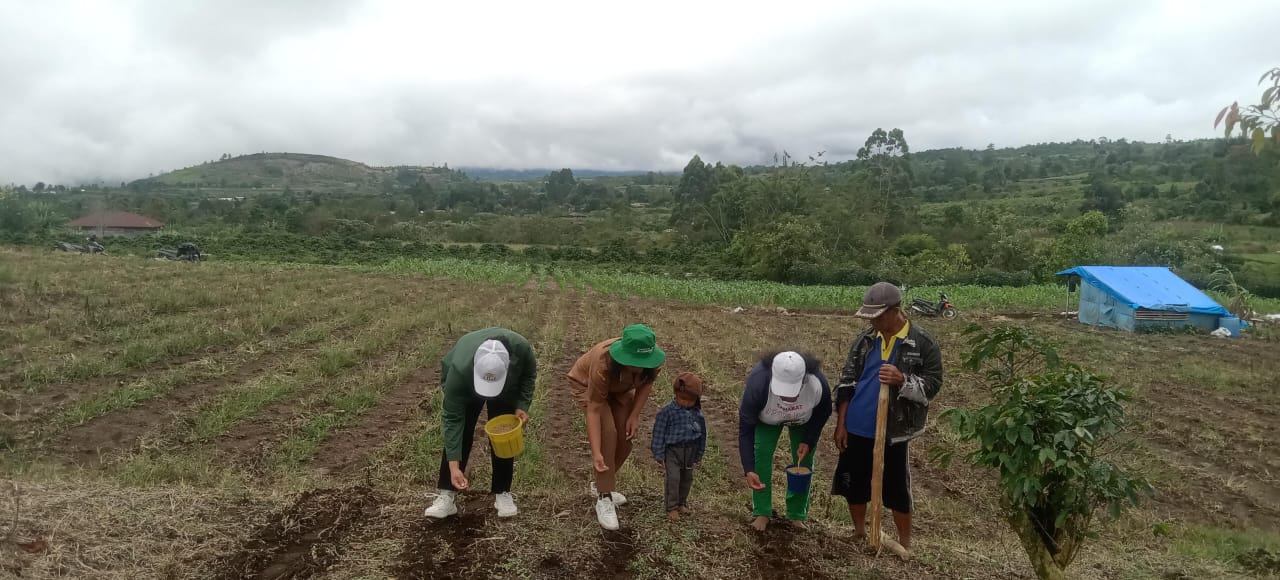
x=115 y=223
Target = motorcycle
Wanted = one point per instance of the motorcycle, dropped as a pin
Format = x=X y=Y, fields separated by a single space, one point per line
x=90 y=248
x=186 y=252
x=943 y=307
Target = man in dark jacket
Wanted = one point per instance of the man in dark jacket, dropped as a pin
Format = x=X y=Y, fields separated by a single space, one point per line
x=899 y=355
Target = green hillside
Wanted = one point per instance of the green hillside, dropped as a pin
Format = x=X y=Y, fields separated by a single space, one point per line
x=992 y=217
x=297 y=171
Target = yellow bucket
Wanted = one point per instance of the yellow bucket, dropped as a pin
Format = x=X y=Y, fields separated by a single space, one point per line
x=505 y=436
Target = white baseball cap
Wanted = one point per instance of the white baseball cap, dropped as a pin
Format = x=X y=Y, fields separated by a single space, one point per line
x=489 y=373
x=788 y=374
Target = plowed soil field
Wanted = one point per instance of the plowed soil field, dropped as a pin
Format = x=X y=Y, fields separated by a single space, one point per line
x=173 y=420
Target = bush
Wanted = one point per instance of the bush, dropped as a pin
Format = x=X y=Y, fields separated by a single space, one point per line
x=991 y=277
x=840 y=276
x=1167 y=329
x=1048 y=433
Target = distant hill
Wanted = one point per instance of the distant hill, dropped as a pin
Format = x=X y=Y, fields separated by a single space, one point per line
x=298 y=171
x=491 y=174
x=302 y=171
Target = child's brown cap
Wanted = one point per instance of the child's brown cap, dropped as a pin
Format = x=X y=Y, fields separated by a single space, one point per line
x=689 y=383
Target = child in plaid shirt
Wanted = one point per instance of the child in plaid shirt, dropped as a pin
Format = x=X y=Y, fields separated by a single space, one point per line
x=679 y=441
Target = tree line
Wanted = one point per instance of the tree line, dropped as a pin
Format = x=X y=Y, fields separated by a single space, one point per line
x=1012 y=215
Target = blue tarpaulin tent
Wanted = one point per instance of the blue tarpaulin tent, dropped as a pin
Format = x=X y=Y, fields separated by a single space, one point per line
x=1126 y=297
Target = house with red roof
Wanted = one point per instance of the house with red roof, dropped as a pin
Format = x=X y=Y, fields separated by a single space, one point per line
x=115 y=223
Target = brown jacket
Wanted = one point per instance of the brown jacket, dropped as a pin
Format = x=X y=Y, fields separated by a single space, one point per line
x=592 y=381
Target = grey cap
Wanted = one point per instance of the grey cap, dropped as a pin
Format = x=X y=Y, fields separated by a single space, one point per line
x=880 y=297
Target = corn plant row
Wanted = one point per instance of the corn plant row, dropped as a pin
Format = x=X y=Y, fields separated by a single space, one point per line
x=743 y=292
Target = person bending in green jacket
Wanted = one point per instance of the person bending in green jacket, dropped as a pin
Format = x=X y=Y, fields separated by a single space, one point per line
x=494 y=367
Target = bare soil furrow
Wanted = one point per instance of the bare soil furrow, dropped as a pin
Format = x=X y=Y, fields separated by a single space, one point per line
x=41 y=402
x=248 y=442
x=89 y=443
x=564 y=444
x=123 y=429
x=349 y=449
x=301 y=541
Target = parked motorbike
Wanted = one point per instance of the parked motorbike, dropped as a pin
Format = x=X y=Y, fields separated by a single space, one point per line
x=943 y=307
x=89 y=248
x=186 y=252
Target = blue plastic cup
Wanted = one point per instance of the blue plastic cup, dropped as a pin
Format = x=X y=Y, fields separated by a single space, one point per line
x=798 y=478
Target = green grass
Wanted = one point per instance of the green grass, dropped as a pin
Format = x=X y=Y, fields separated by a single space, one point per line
x=757 y=293
x=334 y=361
x=190 y=468
x=125 y=347
x=534 y=467
x=419 y=448
x=159 y=383
x=1254 y=551
x=1270 y=259
x=1046 y=297
x=343 y=405
x=216 y=416
x=340 y=403
x=470 y=270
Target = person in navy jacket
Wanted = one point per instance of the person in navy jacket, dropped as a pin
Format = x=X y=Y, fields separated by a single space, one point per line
x=785 y=389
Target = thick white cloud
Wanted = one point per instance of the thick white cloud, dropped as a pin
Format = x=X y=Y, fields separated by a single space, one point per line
x=114 y=91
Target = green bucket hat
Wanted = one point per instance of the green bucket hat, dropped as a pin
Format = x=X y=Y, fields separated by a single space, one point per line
x=638 y=347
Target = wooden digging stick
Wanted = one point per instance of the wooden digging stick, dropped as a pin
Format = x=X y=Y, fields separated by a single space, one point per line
x=877 y=467
x=878 y=538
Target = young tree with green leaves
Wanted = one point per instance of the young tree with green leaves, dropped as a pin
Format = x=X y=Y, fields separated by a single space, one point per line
x=1083 y=242
x=1050 y=432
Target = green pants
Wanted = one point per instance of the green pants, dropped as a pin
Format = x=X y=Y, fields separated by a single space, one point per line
x=766 y=443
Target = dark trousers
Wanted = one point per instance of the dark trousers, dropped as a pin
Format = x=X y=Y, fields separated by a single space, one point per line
x=503 y=469
x=679 y=464
x=853 y=474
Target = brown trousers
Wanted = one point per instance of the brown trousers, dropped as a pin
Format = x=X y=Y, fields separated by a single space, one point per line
x=613 y=435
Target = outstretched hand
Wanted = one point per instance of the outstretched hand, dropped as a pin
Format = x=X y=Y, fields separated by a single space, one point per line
x=753 y=481
x=459 y=480
x=600 y=465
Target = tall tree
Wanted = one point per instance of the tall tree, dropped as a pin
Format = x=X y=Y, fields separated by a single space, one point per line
x=886 y=161
x=700 y=206
x=697 y=183
x=422 y=194
x=1103 y=195
x=560 y=185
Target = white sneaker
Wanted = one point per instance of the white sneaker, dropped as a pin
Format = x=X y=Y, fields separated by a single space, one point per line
x=618 y=499
x=505 y=505
x=606 y=514
x=444 y=506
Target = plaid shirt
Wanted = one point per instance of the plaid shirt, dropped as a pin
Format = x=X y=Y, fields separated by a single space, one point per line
x=677 y=425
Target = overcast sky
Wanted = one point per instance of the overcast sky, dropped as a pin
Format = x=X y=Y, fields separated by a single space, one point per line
x=116 y=90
